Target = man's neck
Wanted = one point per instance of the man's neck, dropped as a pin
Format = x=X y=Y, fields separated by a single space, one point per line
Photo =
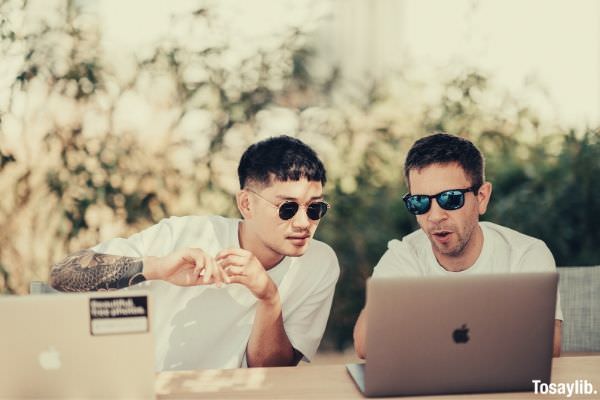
x=249 y=241
x=468 y=256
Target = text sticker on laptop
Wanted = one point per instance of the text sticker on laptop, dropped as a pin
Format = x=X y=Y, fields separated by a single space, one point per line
x=118 y=315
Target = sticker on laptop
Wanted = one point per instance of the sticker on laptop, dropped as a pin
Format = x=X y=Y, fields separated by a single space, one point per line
x=118 y=315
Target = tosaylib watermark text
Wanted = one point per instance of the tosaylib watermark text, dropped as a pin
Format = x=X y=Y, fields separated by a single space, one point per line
x=579 y=387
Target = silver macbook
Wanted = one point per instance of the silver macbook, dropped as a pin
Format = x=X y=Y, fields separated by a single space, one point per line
x=458 y=334
x=93 y=345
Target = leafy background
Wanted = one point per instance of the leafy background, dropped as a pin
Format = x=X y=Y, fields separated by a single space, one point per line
x=95 y=145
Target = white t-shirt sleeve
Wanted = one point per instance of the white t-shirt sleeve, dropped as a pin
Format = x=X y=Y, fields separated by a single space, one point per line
x=306 y=324
x=138 y=244
x=399 y=260
x=538 y=258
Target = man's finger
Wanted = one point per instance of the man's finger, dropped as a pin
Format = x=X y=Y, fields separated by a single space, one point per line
x=232 y=252
x=223 y=273
x=232 y=260
x=208 y=271
x=198 y=280
x=235 y=270
x=199 y=267
x=217 y=272
x=195 y=258
x=241 y=279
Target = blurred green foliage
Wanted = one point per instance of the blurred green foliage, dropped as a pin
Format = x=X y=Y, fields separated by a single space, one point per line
x=551 y=194
x=78 y=183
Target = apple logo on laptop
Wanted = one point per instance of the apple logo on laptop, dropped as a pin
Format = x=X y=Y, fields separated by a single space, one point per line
x=49 y=359
x=461 y=335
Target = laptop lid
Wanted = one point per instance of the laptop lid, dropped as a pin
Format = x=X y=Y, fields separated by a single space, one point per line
x=92 y=345
x=475 y=333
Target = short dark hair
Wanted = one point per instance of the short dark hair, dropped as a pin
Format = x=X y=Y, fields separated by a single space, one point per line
x=442 y=148
x=281 y=158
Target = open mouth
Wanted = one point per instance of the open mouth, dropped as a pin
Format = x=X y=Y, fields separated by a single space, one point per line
x=442 y=237
x=442 y=234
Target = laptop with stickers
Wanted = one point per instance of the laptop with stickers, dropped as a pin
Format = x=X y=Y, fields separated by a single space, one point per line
x=85 y=345
x=460 y=334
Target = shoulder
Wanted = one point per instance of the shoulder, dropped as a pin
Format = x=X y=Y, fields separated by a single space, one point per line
x=321 y=249
x=415 y=243
x=503 y=235
x=320 y=256
x=520 y=252
x=404 y=257
x=195 y=220
x=197 y=223
x=206 y=232
x=414 y=246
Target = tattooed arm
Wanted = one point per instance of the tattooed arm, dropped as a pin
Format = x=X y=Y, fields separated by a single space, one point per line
x=87 y=270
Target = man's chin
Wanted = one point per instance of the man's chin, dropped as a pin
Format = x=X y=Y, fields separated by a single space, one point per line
x=449 y=251
x=291 y=250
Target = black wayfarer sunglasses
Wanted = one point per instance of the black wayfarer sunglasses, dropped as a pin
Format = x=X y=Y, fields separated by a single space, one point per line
x=288 y=209
x=453 y=199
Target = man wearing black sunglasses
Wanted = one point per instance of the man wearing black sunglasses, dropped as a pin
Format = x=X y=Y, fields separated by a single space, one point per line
x=447 y=194
x=230 y=292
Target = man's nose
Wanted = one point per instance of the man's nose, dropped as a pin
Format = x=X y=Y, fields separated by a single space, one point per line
x=436 y=213
x=301 y=220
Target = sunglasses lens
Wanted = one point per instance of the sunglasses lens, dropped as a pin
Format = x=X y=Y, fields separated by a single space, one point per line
x=287 y=210
x=316 y=211
x=451 y=200
x=417 y=204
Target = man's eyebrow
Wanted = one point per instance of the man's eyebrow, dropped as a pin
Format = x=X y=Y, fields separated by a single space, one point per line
x=281 y=197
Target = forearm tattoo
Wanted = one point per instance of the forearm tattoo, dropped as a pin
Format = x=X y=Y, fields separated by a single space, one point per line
x=87 y=270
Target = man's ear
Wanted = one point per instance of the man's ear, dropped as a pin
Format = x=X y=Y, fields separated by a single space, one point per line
x=242 y=199
x=483 y=197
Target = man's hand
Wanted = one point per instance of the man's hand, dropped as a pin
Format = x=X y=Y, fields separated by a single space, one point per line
x=268 y=345
x=241 y=266
x=185 y=267
x=360 y=334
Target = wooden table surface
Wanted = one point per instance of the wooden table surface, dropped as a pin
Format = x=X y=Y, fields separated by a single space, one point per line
x=333 y=382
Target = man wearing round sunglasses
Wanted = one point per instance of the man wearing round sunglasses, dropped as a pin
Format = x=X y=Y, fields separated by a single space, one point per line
x=447 y=194
x=230 y=292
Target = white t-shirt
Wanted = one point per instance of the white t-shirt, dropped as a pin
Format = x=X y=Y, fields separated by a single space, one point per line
x=504 y=251
x=209 y=327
